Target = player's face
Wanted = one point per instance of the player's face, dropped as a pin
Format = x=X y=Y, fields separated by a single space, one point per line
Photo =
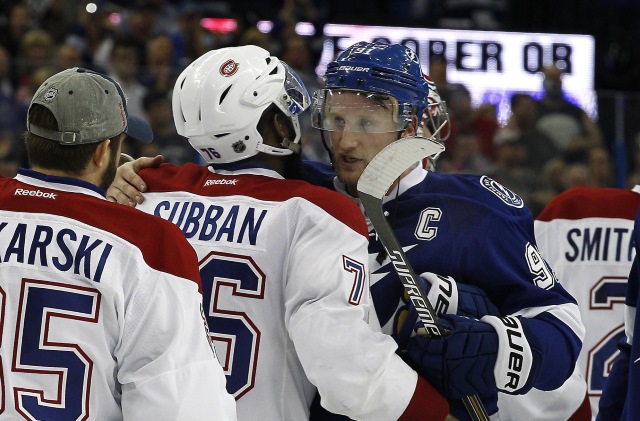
x=364 y=127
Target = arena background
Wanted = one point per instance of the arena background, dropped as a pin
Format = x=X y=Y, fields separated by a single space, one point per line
x=611 y=71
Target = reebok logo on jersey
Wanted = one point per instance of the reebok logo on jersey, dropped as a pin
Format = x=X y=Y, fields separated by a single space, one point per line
x=223 y=181
x=36 y=193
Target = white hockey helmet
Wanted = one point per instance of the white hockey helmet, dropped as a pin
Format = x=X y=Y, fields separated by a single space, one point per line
x=219 y=98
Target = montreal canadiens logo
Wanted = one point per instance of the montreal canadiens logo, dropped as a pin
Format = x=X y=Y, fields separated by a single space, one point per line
x=506 y=195
x=228 y=68
x=50 y=94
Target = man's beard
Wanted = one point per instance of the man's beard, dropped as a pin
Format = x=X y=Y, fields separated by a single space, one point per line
x=110 y=173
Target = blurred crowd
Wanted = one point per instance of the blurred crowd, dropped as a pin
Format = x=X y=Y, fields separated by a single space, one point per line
x=547 y=145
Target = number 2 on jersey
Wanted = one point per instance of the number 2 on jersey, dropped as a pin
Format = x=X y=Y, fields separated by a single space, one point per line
x=610 y=290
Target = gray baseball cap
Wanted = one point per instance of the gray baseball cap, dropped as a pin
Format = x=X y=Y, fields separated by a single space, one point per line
x=88 y=106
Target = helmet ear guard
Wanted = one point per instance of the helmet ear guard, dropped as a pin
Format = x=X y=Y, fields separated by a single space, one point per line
x=435 y=117
x=219 y=99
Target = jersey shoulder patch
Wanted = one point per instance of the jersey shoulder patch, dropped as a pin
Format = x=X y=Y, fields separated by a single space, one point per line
x=503 y=193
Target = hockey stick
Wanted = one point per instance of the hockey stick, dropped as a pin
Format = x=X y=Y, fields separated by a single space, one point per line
x=375 y=181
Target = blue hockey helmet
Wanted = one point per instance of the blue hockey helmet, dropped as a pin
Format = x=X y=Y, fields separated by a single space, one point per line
x=373 y=67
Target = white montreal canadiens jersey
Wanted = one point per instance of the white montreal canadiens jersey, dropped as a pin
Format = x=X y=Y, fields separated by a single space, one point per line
x=284 y=273
x=585 y=234
x=96 y=321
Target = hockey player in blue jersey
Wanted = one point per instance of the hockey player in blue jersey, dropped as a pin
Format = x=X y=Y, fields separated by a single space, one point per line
x=466 y=227
x=621 y=388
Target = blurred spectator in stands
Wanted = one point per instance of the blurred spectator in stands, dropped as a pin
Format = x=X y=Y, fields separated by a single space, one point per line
x=473 y=14
x=6 y=84
x=190 y=39
x=18 y=23
x=578 y=174
x=566 y=124
x=634 y=169
x=160 y=70
x=294 y=11
x=464 y=117
x=36 y=50
x=14 y=151
x=438 y=73
x=554 y=178
x=540 y=147
x=10 y=142
x=297 y=53
x=166 y=141
x=165 y=14
x=511 y=171
x=600 y=167
x=253 y=36
x=124 y=70
x=68 y=56
x=138 y=25
x=465 y=157
x=57 y=17
x=93 y=33
x=554 y=175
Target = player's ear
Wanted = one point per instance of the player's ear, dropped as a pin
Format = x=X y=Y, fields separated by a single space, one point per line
x=101 y=154
x=411 y=127
x=280 y=126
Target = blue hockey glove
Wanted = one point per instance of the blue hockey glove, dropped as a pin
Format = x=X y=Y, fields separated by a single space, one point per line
x=460 y=364
x=477 y=357
x=450 y=297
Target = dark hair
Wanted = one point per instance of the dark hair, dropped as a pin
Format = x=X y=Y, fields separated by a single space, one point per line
x=266 y=123
x=154 y=97
x=49 y=154
x=124 y=42
x=515 y=98
x=266 y=128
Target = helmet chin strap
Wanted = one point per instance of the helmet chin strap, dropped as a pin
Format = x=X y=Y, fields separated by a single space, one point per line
x=294 y=147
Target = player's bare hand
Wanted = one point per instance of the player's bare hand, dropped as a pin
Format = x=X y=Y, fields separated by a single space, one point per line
x=450 y=418
x=127 y=187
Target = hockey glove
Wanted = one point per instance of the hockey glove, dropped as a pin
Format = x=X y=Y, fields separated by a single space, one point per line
x=450 y=297
x=477 y=357
x=460 y=364
x=447 y=297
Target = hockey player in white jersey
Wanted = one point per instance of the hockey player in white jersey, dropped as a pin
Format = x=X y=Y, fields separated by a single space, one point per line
x=589 y=244
x=283 y=263
x=100 y=308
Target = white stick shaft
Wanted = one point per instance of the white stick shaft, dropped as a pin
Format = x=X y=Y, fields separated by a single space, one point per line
x=375 y=181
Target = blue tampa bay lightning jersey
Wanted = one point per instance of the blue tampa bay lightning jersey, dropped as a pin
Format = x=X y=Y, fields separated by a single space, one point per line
x=477 y=231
